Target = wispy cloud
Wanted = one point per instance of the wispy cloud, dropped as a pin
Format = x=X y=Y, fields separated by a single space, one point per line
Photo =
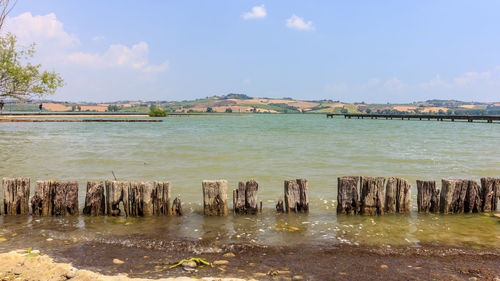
x=471 y=77
x=257 y=12
x=98 y=38
x=299 y=23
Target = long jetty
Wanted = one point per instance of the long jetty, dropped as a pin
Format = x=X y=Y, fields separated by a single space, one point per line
x=452 y=118
x=372 y=196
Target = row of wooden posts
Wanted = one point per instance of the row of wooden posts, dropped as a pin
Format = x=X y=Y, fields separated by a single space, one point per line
x=376 y=196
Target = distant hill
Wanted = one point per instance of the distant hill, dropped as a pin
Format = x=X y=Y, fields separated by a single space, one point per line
x=241 y=103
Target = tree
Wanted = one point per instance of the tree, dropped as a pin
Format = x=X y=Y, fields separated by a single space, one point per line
x=229 y=110
x=209 y=109
x=5 y=7
x=22 y=81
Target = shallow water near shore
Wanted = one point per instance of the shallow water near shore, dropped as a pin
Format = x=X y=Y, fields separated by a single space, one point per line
x=267 y=148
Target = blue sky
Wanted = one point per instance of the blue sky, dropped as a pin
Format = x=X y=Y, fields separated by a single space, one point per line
x=372 y=51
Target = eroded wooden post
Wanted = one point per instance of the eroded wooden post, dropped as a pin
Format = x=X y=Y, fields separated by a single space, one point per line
x=452 y=199
x=116 y=192
x=296 y=197
x=176 y=207
x=95 y=203
x=41 y=203
x=65 y=198
x=491 y=193
x=473 y=198
x=55 y=198
x=161 y=199
x=372 y=196
x=245 y=198
x=397 y=196
x=16 y=194
x=214 y=197
x=347 y=195
x=427 y=197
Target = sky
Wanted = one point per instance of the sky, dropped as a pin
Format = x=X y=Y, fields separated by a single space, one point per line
x=352 y=51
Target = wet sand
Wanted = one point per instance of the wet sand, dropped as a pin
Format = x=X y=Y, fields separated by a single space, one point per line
x=298 y=262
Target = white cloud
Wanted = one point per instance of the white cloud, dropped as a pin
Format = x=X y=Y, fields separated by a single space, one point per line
x=436 y=82
x=298 y=23
x=98 y=38
x=257 y=12
x=394 y=83
x=57 y=46
x=45 y=30
x=471 y=77
x=118 y=55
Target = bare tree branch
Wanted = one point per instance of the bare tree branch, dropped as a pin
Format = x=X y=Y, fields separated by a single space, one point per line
x=6 y=7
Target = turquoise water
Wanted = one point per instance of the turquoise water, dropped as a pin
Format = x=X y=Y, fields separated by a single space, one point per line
x=269 y=149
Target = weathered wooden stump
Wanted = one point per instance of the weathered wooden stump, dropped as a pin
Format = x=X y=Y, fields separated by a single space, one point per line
x=95 y=204
x=372 y=196
x=161 y=199
x=176 y=207
x=55 y=198
x=65 y=198
x=452 y=199
x=245 y=198
x=140 y=201
x=473 y=198
x=16 y=194
x=296 y=197
x=116 y=192
x=279 y=206
x=397 y=196
x=491 y=194
x=215 y=197
x=427 y=197
x=347 y=195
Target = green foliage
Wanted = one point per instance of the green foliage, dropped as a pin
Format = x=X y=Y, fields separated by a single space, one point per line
x=114 y=107
x=229 y=110
x=209 y=110
x=157 y=112
x=22 y=81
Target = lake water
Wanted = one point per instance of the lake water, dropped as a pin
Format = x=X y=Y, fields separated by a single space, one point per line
x=269 y=149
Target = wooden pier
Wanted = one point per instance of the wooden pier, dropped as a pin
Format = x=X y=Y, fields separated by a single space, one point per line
x=452 y=118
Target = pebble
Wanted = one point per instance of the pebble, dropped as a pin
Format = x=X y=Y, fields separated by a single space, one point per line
x=229 y=255
x=383 y=266
x=259 y=274
x=117 y=261
x=297 y=278
x=190 y=264
x=49 y=239
x=220 y=262
x=35 y=252
x=283 y=272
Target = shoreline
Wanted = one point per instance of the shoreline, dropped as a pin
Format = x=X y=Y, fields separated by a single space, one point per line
x=104 y=261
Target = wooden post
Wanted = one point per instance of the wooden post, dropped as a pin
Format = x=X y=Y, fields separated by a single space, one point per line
x=16 y=194
x=214 y=197
x=239 y=199
x=176 y=207
x=161 y=199
x=140 y=199
x=116 y=192
x=65 y=198
x=452 y=198
x=55 y=198
x=279 y=206
x=427 y=197
x=245 y=198
x=473 y=198
x=95 y=204
x=397 y=196
x=372 y=196
x=42 y=201
x=296 y=198
x=491 y=193
x=347 y=195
